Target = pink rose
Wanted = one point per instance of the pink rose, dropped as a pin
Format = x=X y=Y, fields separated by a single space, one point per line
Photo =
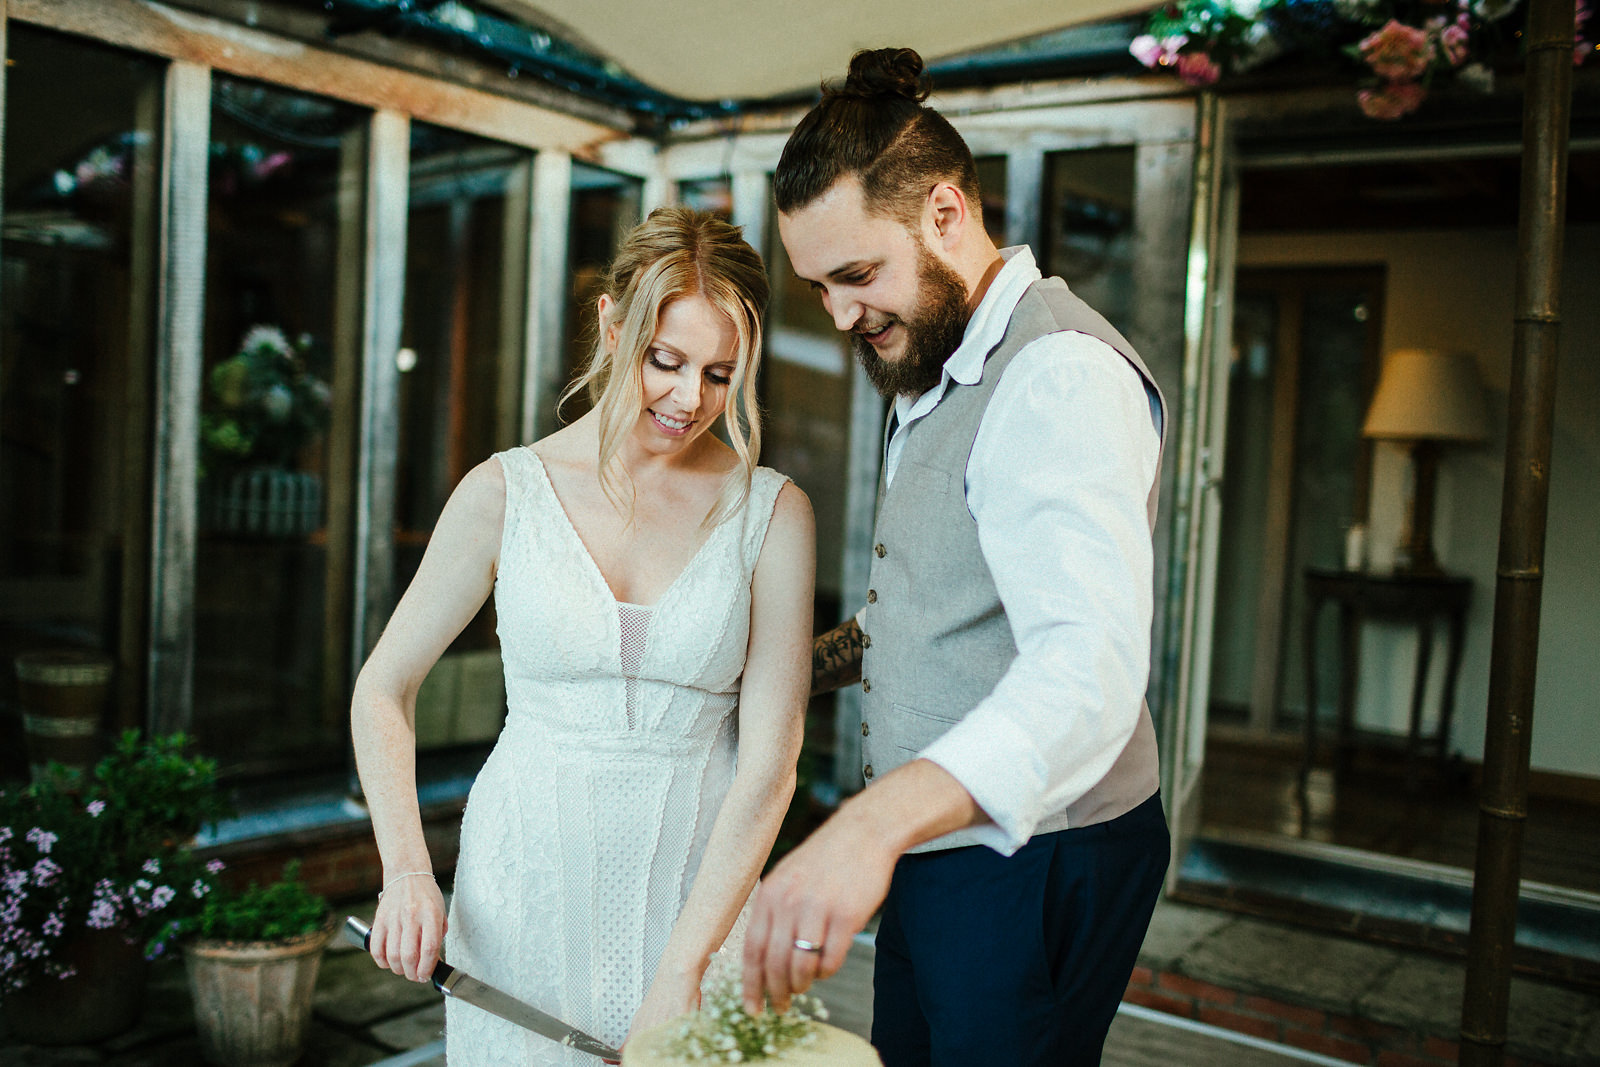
x=1198 y=68
x=1392 y=101
x=1397 y=52
x=1453 y=43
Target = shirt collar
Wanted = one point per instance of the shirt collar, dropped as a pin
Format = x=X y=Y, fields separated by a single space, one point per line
x=984 y=330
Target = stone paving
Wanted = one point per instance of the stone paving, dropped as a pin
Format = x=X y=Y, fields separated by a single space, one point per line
x=364 y=1016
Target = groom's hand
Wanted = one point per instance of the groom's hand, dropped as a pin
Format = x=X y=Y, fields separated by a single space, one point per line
x=824 y=892
x=821 y=894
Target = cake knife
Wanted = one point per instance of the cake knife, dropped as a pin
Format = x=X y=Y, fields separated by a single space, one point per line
x=460 y=985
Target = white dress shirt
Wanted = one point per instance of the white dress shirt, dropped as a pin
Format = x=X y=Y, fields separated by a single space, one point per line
x=1058 y=483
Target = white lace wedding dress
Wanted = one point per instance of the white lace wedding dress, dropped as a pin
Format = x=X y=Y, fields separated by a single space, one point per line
x=585 y=827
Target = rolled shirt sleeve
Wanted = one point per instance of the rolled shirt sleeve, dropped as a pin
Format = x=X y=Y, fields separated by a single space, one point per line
x=1058 y=481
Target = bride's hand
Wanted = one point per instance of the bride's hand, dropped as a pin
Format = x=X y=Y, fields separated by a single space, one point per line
x=409 y=927
x=669 y=996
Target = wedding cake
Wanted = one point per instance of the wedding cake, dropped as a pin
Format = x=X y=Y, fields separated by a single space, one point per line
x=723 y=1032
x=828 y=1046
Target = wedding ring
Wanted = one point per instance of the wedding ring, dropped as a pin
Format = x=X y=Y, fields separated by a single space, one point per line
x=806 y=946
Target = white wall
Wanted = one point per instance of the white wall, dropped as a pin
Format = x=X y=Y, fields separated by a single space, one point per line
x=1455 y=290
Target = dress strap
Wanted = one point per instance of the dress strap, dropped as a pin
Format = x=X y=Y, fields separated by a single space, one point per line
x=517 y=466
x=765 y=484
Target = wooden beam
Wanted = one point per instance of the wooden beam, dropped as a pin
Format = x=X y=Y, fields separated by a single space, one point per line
x=178 y=357
x=308 y=24
x=165 y=31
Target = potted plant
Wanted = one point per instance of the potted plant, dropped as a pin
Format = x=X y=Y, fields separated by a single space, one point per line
x=253 y=957
x=88 y=870
x=264 y=407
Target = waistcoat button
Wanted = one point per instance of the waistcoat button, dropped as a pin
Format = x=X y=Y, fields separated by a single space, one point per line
x=866 y=731
x=879 y=549
x=866 y=685
x=866 y=772
x=866 y=640
x=872 y=596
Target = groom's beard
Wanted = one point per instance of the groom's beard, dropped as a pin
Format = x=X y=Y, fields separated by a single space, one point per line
x=932 y=333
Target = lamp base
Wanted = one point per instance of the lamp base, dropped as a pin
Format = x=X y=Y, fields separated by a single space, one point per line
x=1415 y=555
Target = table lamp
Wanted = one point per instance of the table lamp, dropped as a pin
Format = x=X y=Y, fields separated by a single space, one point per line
x=1427 y=398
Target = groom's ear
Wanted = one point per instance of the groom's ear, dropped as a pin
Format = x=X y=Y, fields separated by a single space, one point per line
x=945 y=216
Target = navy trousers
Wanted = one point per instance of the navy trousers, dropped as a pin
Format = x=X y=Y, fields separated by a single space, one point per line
x=1020 y=960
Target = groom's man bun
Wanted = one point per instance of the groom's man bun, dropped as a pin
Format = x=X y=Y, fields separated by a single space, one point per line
x=876 y=128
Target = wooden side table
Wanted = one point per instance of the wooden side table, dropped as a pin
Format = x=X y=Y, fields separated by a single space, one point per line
x=1418 y=599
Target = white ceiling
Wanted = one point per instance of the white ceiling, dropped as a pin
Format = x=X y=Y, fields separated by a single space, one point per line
x=753 y=49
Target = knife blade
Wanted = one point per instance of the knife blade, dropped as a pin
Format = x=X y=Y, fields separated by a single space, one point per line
x=459 y=985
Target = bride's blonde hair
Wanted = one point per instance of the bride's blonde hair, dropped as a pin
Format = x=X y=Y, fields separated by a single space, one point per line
x=674 y=253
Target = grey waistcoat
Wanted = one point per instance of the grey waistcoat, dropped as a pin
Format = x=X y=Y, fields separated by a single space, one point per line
x=936 y=635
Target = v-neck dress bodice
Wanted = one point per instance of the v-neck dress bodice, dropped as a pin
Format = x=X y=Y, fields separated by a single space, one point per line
x=585 y=828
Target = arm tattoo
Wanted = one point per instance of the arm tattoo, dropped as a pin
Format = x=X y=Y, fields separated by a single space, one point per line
x=836 y=658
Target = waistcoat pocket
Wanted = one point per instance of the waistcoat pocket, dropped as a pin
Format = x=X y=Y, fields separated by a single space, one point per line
x=915 y=730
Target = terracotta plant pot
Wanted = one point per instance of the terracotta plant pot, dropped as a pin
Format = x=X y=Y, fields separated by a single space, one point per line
x=101 y=1001
x=252 y=999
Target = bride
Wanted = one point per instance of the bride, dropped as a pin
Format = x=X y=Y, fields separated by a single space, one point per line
x=653 y=590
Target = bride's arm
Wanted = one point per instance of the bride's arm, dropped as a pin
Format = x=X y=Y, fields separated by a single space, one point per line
x=455 y=577
x=772 y=705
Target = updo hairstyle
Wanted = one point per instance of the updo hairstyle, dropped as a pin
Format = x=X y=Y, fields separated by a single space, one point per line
x=674 y=253
x=876 y=127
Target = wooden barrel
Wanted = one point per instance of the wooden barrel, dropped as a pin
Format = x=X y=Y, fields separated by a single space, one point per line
x=63 y=697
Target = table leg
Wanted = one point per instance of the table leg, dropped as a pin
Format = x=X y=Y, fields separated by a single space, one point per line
x=1309 y=648
x=1350 y=624
x=1447 y=698
x=1419 y=688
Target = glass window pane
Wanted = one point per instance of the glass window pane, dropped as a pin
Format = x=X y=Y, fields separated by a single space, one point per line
x=282 y=327
x=805 y=389
x=460 y=383
x=1088 y=227
x=708 y=194
x=605 y=206
x=992 y=184
x=74 y=334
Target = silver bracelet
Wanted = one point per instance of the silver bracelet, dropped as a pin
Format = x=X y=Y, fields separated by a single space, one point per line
x=401 y=877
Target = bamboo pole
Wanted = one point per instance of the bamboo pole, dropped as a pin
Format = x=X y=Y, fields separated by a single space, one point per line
x=1525 y=499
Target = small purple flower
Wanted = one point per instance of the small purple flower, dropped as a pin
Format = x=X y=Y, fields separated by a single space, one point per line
x=45 y=872
x=52 y=926
x=102 y=915
x=215 y=866
x=5 y=834
x=42 y=839
x=199 y=889
x=152 y=866
x=15 y=881
x=162 y=897
x=96 y=807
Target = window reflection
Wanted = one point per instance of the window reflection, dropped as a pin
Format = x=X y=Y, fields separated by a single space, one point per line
x=605 y=206
x=74 y=335
x=282 y=327
x=460 y=383
x=992 y=184
x=708 y=194
x=1088 y=227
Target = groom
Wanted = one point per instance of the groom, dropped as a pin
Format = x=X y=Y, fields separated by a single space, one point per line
x=1011 y=827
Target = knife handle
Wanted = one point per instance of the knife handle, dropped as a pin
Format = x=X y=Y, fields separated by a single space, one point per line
x=359 y=934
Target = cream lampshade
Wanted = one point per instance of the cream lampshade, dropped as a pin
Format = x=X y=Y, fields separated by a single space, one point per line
x=1426 y=397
